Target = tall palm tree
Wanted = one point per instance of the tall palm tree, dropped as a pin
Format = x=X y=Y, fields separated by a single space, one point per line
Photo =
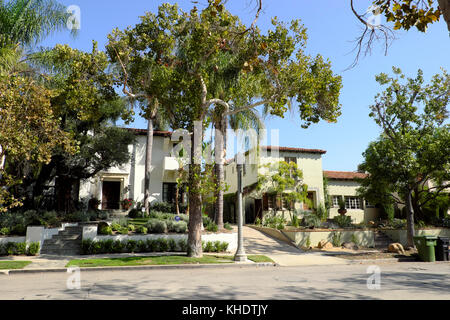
x=247 y=119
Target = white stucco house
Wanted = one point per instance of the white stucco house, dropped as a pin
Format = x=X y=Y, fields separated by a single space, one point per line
x=127 y=181
x=340 y=184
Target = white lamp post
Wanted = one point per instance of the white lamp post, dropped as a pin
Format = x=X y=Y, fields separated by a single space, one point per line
x=240 y=253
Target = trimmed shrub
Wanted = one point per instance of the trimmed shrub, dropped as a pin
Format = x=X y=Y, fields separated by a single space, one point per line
x=156 y=226
x=163 y=245
x=131 y=246
x=163 y=207
x=152 y=245
x=115 y=226
x=33 y=249
x=176 y=226
x=86 y=246
x=21 y=248
x=131 y=227
x=141 y=246
x=118 y=246
x=4 y=231
x=182 y=244
x=135 y=213
x=172 y=245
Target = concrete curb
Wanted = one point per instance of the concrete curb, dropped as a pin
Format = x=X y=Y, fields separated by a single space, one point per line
x=149 y=267
x=355 y=261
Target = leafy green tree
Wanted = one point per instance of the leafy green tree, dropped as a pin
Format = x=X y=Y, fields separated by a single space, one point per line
x=285 y=181
x=414 y=147
x=143 y=57
x=85 y=104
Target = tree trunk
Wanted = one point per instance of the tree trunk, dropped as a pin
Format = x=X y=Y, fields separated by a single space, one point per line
x=195 y=200
x=219 y=141
x=177 y=200
x=409 y=219
x=148 y=165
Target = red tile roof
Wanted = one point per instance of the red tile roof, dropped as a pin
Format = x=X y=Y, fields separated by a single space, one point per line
x=143 y=132
x=299 y=150
x=344 y=175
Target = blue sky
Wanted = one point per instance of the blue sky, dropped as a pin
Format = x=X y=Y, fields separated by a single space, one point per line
x=331 y=30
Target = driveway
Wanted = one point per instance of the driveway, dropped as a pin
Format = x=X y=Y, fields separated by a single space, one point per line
x=284 y=254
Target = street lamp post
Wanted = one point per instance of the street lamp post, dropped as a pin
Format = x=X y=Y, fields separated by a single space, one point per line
x=240 y=253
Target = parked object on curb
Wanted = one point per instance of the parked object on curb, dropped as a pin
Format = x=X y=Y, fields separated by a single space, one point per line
x=443 y=249
x=425 y=246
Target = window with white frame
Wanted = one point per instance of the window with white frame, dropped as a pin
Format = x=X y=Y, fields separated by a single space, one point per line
x=336 y=201
x=352 y=203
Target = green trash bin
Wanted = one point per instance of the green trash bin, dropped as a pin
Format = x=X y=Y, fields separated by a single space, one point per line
x=425 y=246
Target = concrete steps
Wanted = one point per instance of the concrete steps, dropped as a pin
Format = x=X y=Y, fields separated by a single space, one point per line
x=382 y=241
x=67 y=242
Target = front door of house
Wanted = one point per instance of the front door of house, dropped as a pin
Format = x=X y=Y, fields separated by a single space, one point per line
x=111 y=195
x=309 y=205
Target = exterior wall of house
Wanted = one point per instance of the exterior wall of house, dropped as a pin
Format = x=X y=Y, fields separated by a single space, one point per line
x=347 y=188
x=132 y=174
x=309 y=163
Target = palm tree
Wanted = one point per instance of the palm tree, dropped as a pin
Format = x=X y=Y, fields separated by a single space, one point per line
x=27 y=22
x=246 y=119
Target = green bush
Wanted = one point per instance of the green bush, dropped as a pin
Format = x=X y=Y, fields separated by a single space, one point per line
x=118 y=246
x=336 y=239
x=182 y=244
x=176 y=226
x=21 y=248
x=141 y=246
x=275 y=222
x=311 y=220
x=163 y=207
x=258 y=222
x=131 y=246
x=215 y=246
x=156 y=226
x=33 y=249
x=105 y=230
x=135 y=213
x=123 y=230
x=343 y=221
x=212 y=227
x=19 y=230
x=163 y=245
x=141 y=230
x=227 y=226
x=206 y=220
x=131 y=227
x=115 y=226
x=184 y=217
x=152 y=245
x=172 y=245
x=322 y=213
x=208 y=247
x=4 y=231
x=86 y=246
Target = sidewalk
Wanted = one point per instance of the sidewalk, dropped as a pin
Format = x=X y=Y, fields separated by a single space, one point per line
x=284 y=254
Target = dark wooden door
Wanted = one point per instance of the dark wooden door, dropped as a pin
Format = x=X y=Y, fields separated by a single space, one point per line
x=258 y=208
x=111 y=195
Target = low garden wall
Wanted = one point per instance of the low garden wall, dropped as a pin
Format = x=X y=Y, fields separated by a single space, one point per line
x=90 y=233
x=366 y=238
x=400 y=235
x=4 y=240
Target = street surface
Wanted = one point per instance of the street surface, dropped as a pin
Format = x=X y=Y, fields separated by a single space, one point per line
x=401 y=280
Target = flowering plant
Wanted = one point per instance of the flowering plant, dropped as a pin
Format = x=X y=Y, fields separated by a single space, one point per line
x=127 y=203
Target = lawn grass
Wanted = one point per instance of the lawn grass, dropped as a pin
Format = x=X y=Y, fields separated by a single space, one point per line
x=143 y=261
x=10 y=265
x=259 y=258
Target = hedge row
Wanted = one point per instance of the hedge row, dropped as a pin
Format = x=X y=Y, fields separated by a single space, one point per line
x=149 y=245
x=19 y=249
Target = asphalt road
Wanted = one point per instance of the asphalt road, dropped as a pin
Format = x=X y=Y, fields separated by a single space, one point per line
x=398 y=281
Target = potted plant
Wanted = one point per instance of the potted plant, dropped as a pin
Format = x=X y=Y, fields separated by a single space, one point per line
x=342 y=211
x=127 y=203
